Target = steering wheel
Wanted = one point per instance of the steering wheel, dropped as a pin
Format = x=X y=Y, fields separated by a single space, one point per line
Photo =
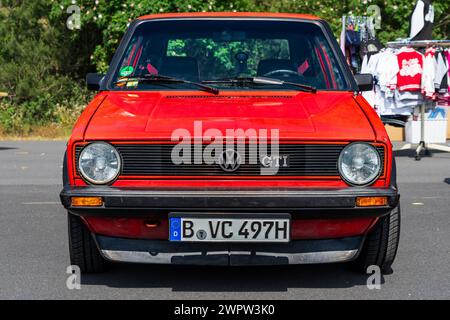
x=286 y=72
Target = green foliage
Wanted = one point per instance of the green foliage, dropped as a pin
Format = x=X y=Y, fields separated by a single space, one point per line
x=43 y=63
x=217 y=59
x=37 y=66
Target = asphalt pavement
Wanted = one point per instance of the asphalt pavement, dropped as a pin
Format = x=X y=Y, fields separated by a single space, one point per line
x=34 y=247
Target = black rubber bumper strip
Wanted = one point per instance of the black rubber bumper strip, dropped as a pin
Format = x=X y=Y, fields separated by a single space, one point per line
x=141 y=201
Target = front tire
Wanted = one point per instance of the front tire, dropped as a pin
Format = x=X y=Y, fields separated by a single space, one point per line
x=83 y=250
x=380 y=246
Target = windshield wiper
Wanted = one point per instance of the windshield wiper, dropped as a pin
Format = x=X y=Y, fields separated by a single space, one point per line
x=261 y=80
x=161 y=78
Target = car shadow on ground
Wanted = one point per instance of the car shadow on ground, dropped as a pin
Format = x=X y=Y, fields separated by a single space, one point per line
x=411 y=153
x=228 y=279
x=7 y=148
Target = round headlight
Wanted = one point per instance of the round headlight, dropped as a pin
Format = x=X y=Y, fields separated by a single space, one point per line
x=359 y=164
x=99 y=163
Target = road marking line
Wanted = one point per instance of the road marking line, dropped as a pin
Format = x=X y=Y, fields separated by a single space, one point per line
x=39 y=203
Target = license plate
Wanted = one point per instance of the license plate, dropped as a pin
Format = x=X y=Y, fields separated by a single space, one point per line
x=209 y=229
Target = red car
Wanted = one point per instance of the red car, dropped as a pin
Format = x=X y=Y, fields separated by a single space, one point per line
x=230 y=139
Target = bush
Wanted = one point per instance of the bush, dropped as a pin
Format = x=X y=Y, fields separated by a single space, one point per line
x=39 y=67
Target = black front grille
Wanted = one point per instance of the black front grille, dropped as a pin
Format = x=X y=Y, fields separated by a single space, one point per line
x=155 y=160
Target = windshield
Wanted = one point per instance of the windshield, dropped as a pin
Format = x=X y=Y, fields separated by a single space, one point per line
x=214 y=49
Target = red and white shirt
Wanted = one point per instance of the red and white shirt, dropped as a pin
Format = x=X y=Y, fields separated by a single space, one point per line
x=410 y=65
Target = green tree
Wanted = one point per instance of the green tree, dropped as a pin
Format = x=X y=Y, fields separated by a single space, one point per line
x=36 y=68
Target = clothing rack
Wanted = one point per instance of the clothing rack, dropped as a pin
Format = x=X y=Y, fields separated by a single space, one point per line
x=422 y=146
x=418 y=43
x=355 y=32
x=360 y=21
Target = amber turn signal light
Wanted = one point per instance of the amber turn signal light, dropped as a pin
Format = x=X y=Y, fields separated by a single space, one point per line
x=371 y=201
x=87 y=201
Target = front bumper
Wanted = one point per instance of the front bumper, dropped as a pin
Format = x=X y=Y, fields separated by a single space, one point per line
x=165 y=252
x=299 y=202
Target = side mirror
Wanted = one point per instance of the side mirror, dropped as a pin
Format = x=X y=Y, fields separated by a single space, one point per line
x=364 y=81
x=93 y=81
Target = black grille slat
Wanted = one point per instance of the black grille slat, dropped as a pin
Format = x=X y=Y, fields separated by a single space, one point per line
x=155 y=160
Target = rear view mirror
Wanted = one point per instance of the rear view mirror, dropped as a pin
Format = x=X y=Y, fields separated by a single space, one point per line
x=364 y=81
x=93 y=81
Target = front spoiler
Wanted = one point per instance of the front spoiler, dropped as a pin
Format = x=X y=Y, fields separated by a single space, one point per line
x=307 y=202
x=165 y=252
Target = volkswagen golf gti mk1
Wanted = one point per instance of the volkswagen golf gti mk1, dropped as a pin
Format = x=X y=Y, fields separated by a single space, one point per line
x=230 y=139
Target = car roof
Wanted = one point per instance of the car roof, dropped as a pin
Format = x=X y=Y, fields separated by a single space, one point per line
x=229 y=15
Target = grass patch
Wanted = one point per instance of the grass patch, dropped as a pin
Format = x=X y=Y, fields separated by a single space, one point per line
x=16 y=127
x=52 y=131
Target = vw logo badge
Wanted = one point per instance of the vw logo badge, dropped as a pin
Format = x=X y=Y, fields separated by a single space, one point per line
x=230 y=160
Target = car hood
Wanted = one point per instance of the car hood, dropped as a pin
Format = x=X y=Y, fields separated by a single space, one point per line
x=297 y=115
